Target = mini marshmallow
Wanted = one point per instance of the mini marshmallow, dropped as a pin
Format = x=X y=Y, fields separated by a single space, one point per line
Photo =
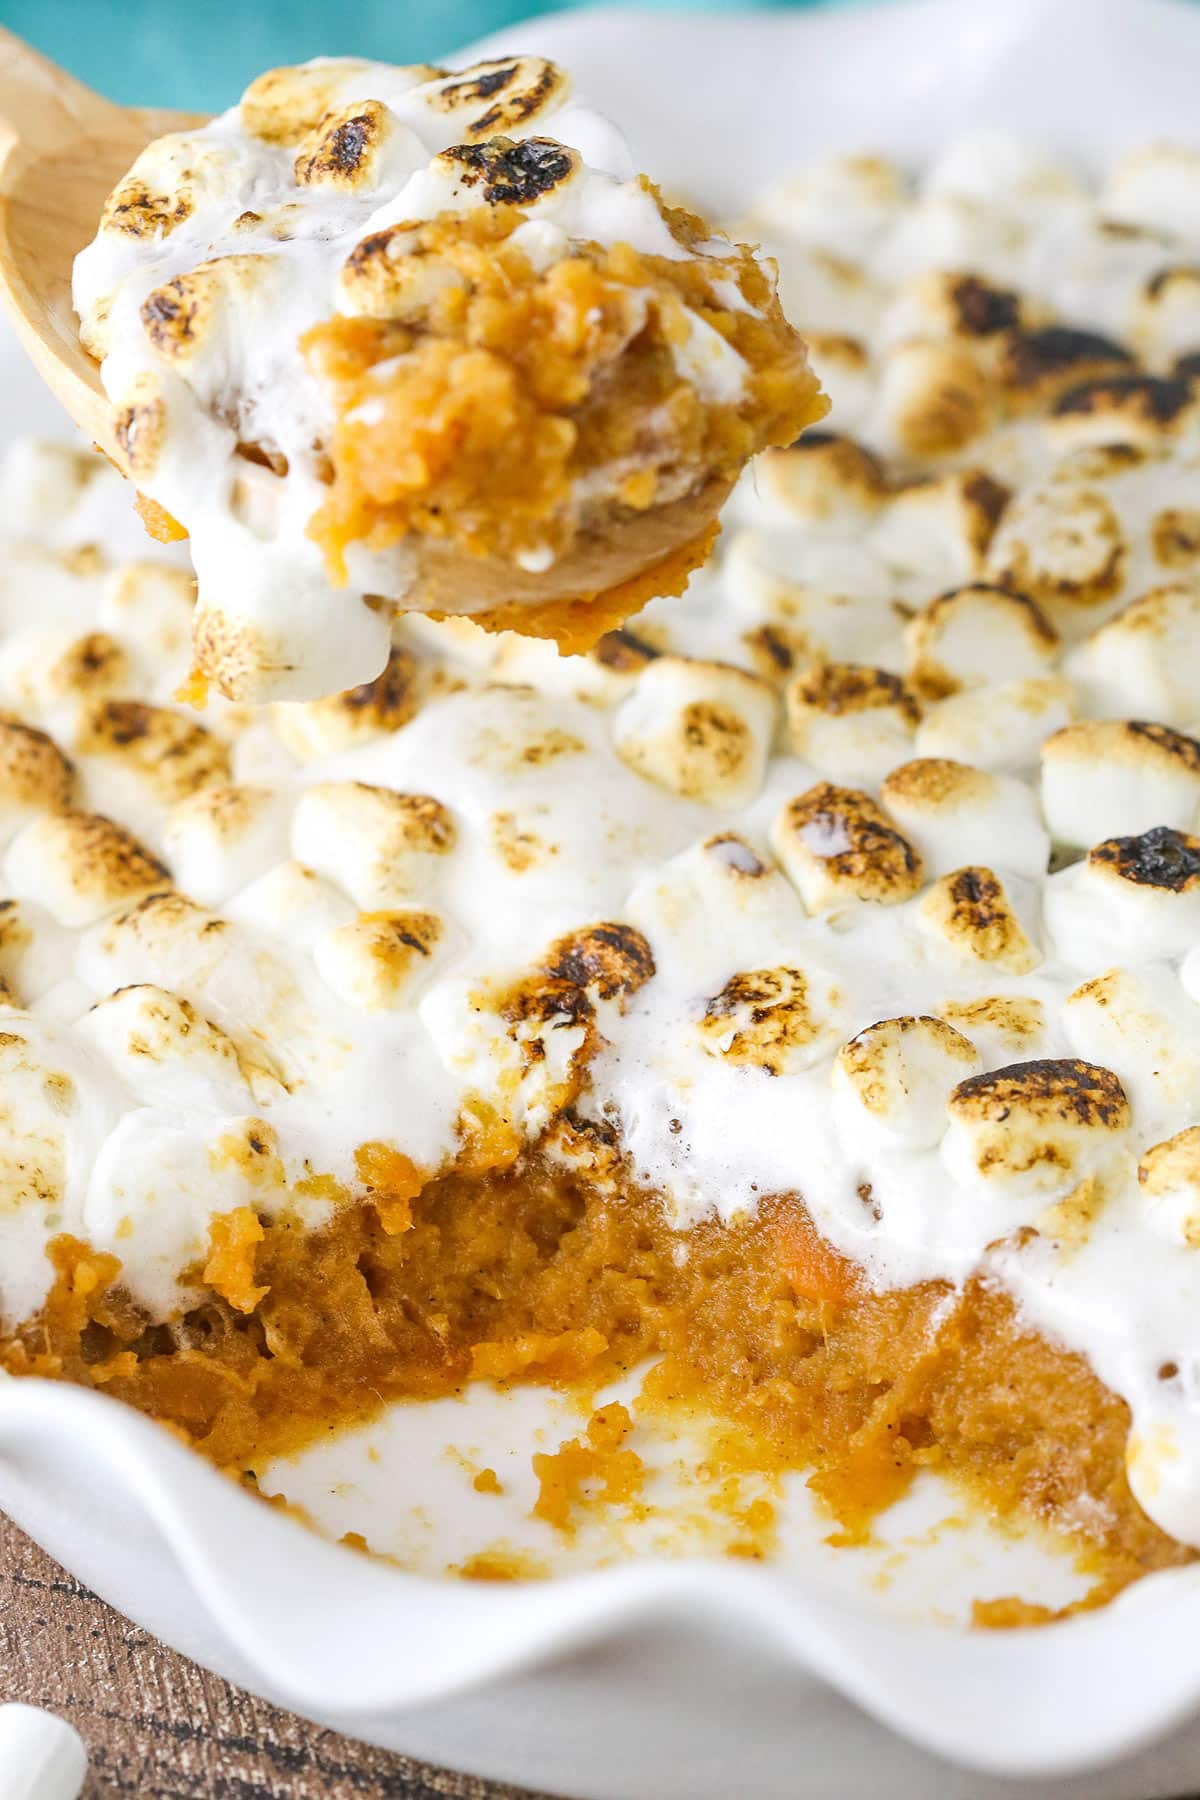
x=149 y=604
x=1175 y=538
x=971 y=913
x=1115 y=777
x=703 y=730
x=1035 y=1129
x=142 y=758
x=850 y=722
x=1145 y=661
x=220 y=839
x=81 y=867
x=35 y=776
x=315 y=728
x=956 y=814
x=1169 y=1178
x=840 y=202
x=846 y=372
x=380 y=846
x=933 y=400
x=1141 y=1024
x=778 y=1020
x=34 y=951
x=817 y=598
x=1037 y=364
x=1000 y=1026
x=973 y=637
x=837 y=845
x=1132 y=900
x=891 y=1082
x=43 y=482
x=823 y=292
x=939 y=529
x=998 y=727
x=56 y=676
x=294 y=904
x=1063 y=546
x=166 y=939
x=821 y=480
x=1157 y=187
x=950 y=232
x=358 y=149
x=946 y=305
x=1144 y=410
x=167 y=1051
x=1001 y=170
x=380 y=959
x=281 y=105
x=716 y=907
x=1164 y=321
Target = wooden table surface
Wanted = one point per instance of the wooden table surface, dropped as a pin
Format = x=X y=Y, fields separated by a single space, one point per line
x=157 y=1727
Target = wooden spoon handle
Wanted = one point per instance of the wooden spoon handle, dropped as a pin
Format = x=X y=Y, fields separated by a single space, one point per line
x=42 y=107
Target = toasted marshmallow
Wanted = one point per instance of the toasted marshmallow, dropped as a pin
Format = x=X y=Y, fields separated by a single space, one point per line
x=1037 y=364
x=1141 y=1024
x=1062 y=545
x=80 y=867
x=891 y=1082
x=150 y=604
x=997 y=727
x=956 y=814
x=1164 y=321
x=934 y=400
x=142 y=759
x=166 y=940
x=946 y=305
x=43 y=482
x=281 y=105
x=778 y=1020
x=1157 y=187
x=1144 y=410
x=1145 y=662
x=1133 y=899
x=314 y=728
x=975 y=636
x=380 y=959
x=293 y=903
x=971 y=913
x=703 y=730
x=1035 y=1129
x=1001 y=170
x=57 y=676
x=34 y=951
x=1113 y=777
x=940 y=529
x=847 y=373
x=1000 y=1026
x=194 y=320
x=816 y=598
x=380 y=846
x=504 y=97
x=223 y=837
x=821 y=480
x=167 y=1052
x=716 y=907
x=357 y=149
x=1169 y=1177
x=1175 y=539
x=35 y=776
x=837 y=845
x=852 y=723
x=840 y=202
x=950 y=232
x=824 y=292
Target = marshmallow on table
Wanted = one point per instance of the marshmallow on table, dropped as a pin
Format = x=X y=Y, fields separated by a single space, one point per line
x=851 y=722
x=976 y=636
x=1131 y=900
x=41 y=1756
x=891 y=1082
x=702 y=730
x=956 y=814
x=1118 y=777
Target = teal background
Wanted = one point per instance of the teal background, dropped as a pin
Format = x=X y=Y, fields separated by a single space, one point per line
x=199 y=54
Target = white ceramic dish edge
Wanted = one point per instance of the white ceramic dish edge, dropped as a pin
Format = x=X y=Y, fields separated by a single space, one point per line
x=351 y=1642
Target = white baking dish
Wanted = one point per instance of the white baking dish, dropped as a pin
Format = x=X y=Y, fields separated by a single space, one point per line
x=692 y=1678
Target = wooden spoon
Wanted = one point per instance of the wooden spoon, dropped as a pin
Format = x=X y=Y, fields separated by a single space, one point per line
x=63 y=148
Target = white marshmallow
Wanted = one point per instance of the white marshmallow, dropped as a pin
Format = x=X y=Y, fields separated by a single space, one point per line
x=1131 y=900
x=892 y=1081
x=956 y=814
x=1117 y=778
x=703 y=730
x=998 y=727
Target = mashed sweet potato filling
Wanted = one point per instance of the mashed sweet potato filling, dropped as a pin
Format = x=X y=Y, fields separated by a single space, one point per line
x=532 y=1273
x=481 y=399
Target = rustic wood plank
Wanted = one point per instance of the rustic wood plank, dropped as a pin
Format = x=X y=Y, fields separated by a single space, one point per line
x=158 y=1727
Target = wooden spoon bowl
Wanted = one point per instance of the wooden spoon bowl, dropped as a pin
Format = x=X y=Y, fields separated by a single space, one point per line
x=63 y=148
